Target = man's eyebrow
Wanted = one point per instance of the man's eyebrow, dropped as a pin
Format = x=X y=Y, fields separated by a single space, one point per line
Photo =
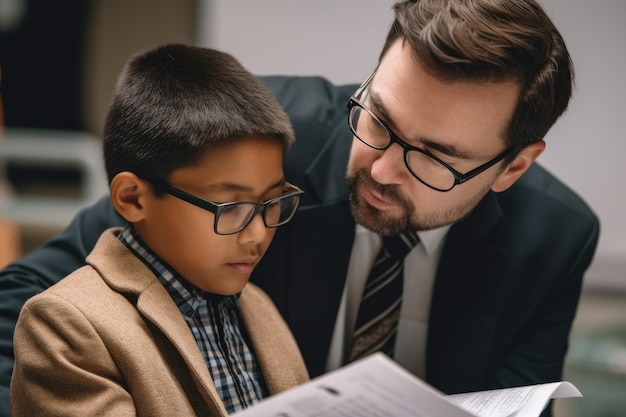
x=448 y=150
x=379 y=106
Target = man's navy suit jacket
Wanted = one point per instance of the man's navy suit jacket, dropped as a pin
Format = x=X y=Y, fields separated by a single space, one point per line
x=506 y=289
x=508 y=282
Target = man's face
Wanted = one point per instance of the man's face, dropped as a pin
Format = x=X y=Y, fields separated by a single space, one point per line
x=463 y=124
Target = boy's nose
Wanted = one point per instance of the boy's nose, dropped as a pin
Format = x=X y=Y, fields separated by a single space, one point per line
x=255 y=231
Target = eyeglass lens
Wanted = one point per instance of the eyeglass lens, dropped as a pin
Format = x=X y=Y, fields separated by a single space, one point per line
x=235 y=217
x=369 y=130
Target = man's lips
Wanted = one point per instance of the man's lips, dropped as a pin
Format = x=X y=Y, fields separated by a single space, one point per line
x=376 y=200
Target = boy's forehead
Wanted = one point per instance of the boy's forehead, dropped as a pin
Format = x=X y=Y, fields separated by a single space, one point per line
x=246 y=164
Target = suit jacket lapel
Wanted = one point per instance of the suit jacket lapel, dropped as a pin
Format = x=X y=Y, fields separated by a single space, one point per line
x=320 y=260
x=462 y=325
x=326 y=175
x=327 y=232
x=153 y=301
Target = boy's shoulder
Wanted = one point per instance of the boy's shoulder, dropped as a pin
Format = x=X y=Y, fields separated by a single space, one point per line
x=85 y=282
x=90 y=283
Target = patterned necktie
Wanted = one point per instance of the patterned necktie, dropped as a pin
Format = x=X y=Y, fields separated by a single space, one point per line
x=377 y=321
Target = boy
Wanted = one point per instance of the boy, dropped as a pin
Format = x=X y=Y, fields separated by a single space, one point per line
x=161 y=322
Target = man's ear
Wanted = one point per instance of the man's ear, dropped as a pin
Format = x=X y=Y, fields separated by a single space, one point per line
x=518 y=166
x=128 y=192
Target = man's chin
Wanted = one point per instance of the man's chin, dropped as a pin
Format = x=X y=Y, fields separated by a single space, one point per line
x=386 y=214
x=384 y=223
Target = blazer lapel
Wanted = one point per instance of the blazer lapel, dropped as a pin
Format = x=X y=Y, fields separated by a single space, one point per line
x=157 y=307
x=462 y=324
x=155 y=304
x=276 y=350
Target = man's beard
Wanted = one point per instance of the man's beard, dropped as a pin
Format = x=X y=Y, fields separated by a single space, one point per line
x=409 y=220
x=370 y=217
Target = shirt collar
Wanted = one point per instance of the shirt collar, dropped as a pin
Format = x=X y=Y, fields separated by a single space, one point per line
x=431 y=240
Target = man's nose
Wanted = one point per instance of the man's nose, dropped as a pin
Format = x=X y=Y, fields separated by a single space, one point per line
x=389 y=166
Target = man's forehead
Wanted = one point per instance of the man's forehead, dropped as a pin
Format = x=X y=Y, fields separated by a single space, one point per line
x=459 y=115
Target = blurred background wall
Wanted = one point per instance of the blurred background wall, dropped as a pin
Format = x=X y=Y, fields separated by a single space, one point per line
x=59 y=63
x=60 y=59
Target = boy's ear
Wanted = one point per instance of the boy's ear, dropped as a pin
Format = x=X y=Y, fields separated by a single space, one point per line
x=518 y=166
x=127 y=195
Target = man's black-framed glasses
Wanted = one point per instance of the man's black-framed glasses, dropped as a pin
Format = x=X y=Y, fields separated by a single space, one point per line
x=424 y=166
x=233 y=217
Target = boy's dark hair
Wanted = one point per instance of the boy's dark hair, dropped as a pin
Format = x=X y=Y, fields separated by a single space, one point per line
x=174 y=103
x=492 y=40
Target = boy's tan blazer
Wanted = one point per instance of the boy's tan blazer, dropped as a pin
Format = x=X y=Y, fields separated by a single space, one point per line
x=109 y=340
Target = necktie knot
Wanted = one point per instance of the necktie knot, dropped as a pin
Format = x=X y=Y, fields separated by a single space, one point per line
x=398 y=246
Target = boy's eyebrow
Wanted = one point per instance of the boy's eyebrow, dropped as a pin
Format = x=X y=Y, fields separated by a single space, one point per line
x=229 y=186
x=448 y=150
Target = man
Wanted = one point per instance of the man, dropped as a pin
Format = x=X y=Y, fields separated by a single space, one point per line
x=442 y=140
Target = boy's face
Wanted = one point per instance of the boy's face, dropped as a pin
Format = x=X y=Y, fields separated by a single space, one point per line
x=250 y=169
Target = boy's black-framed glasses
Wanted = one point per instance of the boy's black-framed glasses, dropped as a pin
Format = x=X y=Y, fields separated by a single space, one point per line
x=233 y=217
x=424 y=166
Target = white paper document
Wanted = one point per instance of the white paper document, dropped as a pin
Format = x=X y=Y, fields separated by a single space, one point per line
x=377 y=386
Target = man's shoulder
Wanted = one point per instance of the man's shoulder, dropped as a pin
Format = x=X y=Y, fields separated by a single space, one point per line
x=312 y=98
x=538 y=184
x=317 y=109
x=541 y=208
